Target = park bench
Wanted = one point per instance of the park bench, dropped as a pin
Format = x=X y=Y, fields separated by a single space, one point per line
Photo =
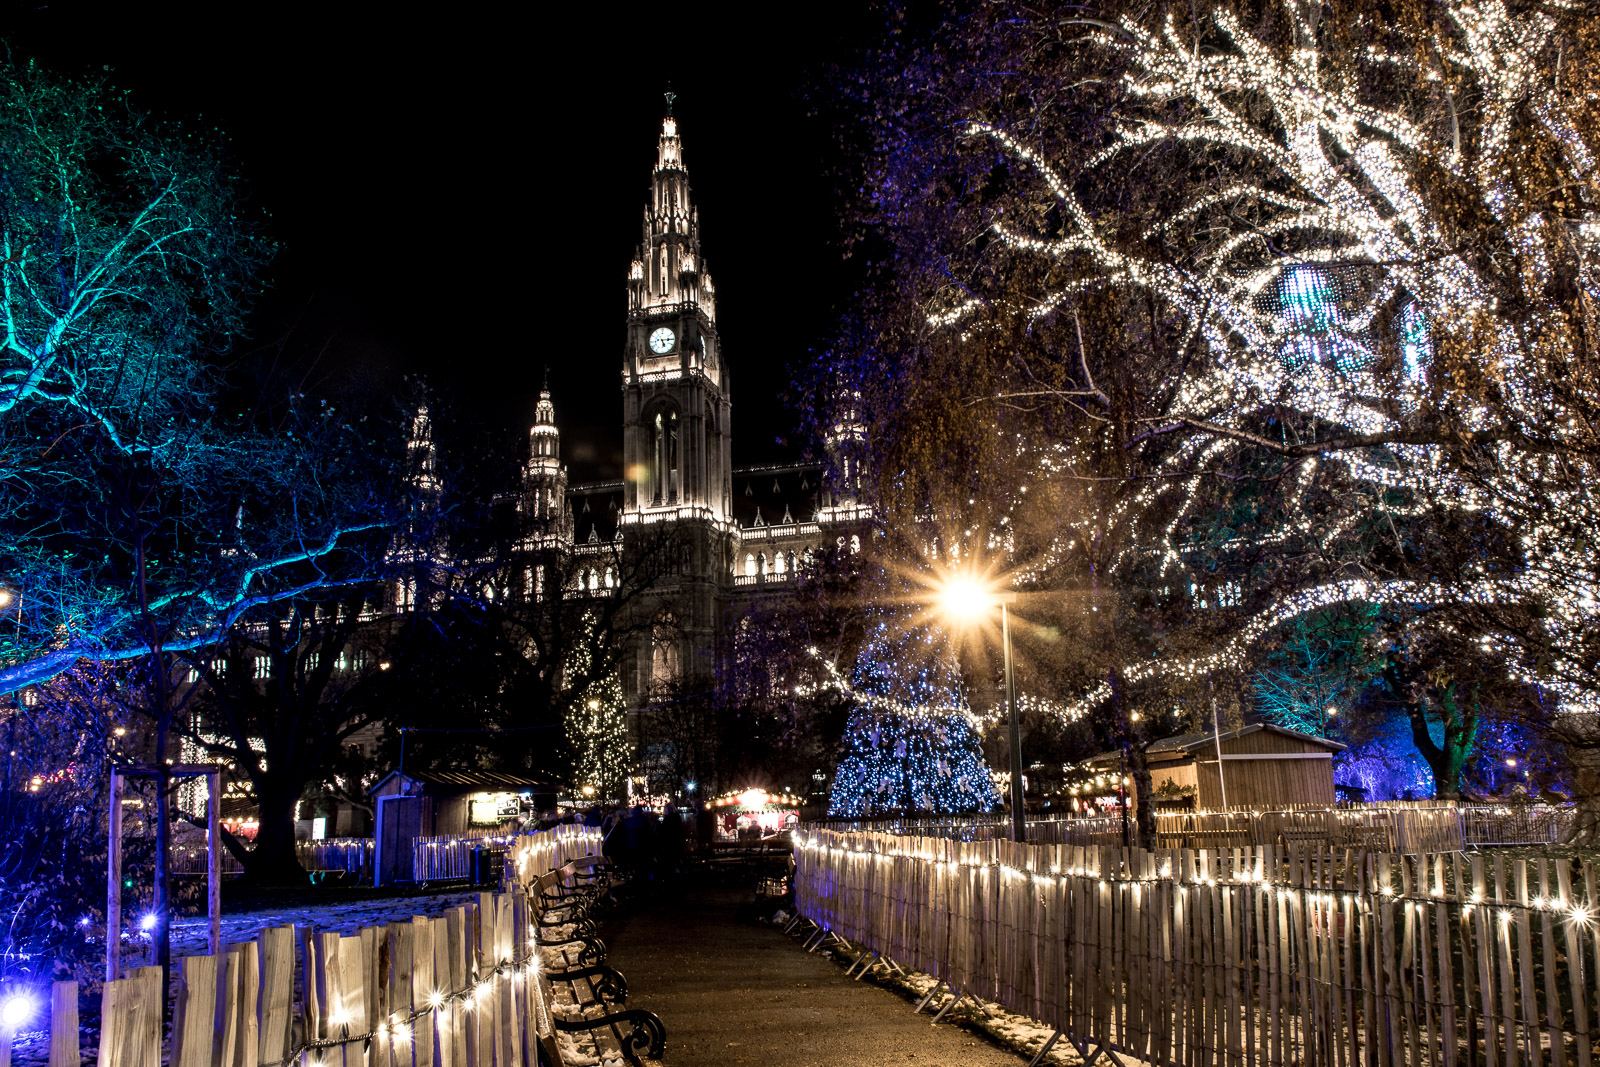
x=572 y=961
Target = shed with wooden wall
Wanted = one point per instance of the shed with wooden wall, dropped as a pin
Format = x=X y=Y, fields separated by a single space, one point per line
x=1262 y=767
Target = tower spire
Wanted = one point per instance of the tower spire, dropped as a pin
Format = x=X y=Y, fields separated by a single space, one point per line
x=671 y=96
x=668 y=270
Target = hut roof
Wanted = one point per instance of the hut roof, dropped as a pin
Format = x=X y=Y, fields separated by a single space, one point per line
x=449 y=782
x=1179 y=745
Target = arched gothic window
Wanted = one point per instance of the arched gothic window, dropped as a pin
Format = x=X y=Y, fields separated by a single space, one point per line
x=664 y=458
x=779 y=564
x=664 y=652
x=750 y=564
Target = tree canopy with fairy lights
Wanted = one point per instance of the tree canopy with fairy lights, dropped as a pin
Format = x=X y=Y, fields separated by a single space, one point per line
x=146 y=505
x=1355 y=248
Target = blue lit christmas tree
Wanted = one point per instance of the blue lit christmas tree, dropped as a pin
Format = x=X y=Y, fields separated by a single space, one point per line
x=910 y=744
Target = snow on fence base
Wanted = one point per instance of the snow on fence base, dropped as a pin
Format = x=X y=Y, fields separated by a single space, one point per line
x=1247 y=956
x=449 y=990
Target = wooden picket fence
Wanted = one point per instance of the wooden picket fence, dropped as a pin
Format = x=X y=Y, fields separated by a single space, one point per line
x=532 y=854
x=441 y=857
x=449 y=991
x=1384 y=826
x=1242 y=957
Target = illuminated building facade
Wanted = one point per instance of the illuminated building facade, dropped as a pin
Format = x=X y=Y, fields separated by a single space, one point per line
x=737 y=533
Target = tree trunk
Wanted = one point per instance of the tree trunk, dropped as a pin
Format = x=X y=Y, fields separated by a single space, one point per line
x=1134 y=765
x=1581 y=736
x=1449 y=758
x=273 y=860
x=1144 y=811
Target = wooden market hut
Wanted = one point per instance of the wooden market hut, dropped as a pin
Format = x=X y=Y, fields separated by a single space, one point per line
x=1263 y=767
x=412 y=804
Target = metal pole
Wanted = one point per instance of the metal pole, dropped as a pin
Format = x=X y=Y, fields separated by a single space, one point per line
x=214 y=860
x=1216 y=733
x=1019 y=818
x=114 y=880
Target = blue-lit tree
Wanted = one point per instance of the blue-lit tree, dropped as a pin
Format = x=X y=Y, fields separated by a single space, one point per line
x=910 y=744
x=149 y=504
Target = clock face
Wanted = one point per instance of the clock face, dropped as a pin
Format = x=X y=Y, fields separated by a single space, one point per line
x=662 y=340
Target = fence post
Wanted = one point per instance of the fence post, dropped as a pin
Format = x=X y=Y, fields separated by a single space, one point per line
x=214 y=859
x=64 y=1051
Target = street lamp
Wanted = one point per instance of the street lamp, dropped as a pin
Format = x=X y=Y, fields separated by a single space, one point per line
x=965 y=599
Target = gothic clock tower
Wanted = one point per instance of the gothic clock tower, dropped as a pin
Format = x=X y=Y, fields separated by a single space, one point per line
x=676 y=416
x=675 y=384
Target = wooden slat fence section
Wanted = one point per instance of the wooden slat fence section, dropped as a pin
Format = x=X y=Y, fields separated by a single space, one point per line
x=1239 y=956
x=449 y=991
x=534 y=853
x=437 y=857
x=349 y=855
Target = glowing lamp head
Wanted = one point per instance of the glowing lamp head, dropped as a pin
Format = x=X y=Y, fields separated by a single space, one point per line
x=148 y=923
x=15 y=1010
x=754 y=798
x=964 y=598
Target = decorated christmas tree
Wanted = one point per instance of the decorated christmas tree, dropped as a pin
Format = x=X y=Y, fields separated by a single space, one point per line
x=597 y=729
x=910 y=744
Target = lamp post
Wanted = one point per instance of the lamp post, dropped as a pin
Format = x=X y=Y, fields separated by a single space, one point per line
x=966 y=599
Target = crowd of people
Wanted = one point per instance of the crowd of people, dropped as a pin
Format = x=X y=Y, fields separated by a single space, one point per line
x=639 y=839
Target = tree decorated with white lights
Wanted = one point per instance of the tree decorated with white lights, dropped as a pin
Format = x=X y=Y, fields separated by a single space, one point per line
x=910 y=744
x=1395 y=243
x=597 y=730
x=1360 y=247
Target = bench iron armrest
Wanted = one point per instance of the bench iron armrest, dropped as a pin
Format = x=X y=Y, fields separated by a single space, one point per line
x=612 y=986
x=647 y=1033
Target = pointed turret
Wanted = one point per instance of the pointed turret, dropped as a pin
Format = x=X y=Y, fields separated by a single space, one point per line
x=676 y=413
x=544 y=479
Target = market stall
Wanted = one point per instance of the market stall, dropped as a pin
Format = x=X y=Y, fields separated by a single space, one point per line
x=754 y=813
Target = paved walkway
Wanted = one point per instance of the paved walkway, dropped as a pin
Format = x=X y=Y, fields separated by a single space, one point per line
x=734 y=991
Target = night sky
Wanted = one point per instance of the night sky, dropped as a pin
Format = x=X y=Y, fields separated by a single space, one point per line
x=458 y=189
